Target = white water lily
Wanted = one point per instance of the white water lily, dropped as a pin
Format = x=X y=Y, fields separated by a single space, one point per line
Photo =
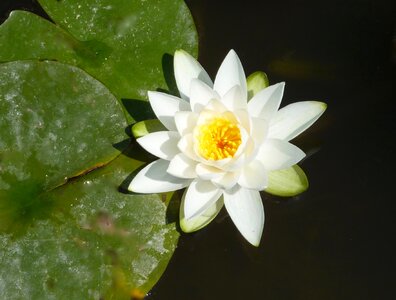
x=219 y=145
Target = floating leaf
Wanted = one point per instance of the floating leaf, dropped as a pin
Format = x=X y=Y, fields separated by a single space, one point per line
x=96 y=242
x=125 y=44
x=63 y=236
x=56 y=122
x=287 y=182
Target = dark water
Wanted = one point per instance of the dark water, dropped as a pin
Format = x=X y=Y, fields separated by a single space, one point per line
x=337 y=240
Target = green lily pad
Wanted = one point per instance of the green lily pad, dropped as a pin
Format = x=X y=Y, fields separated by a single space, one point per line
x=56 y=123
x=67 y=237
x=95 y=243
x=125 y=44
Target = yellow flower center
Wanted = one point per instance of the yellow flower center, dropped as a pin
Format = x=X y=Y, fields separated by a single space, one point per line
x=218 y=139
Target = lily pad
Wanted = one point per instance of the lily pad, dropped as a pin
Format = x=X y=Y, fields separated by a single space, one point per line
x=64 y=236
x=95 y=243
x=56 y=123
x=125 y=44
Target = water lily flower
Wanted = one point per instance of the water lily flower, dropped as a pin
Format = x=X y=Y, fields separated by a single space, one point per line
x=220 y=145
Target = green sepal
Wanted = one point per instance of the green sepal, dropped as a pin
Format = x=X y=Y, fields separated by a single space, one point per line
x=142 y=128
x=287 y=182
x=256 y=82
x=201 y=220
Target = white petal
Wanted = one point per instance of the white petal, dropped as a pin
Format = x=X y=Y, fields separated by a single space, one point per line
x=186 y=146
x=294 y=118
x=230 y=74
x=247 y=212
x=234 y=100
x=165 y=106
x=207 y=172
x=187 y=68
x=227 y=180
x=243 y=118
x=185 y=121
x=213 y=110
x=277 y=154
x=154 y=179
x=201 y=220
x=259 y=129
x=266 y=103
x=200 y=195
x=215 y=106
x=253 y=176
x=162 y=144
x=200 y=95
x=182 y=166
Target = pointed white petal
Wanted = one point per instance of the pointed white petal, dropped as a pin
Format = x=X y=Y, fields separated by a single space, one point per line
x=165 y=106
x=230 y=74
x=253 y=176
x=200 y=95
x=215 y=106
x=247 y=212
x=187 y=68
x=259 y=129
x=154 y=179
x=213 y=110
x=276 y=154
x=186 y=146
x=227 y=180
x=294 y=118
x=162 y=144
x=185 y=121
x=243 y=118
x=200 y=195
x=182 y=166
x=201 y=220
x=206 y=172
x=266 y=103
x=234 y=100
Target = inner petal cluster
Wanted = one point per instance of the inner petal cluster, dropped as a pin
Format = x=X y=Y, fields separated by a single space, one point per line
x=218 y=138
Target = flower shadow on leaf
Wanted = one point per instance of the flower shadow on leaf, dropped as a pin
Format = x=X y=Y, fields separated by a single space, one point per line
x=169 y=74
x=172 y=199
x=137 y=153
x=140 y=109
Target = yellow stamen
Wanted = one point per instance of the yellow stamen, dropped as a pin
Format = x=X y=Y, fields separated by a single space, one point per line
x=218 y=139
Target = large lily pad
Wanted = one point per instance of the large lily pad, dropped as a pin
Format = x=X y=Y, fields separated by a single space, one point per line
x=56 y=122
x=61 y=236
x=126 y=44
x=95 y=242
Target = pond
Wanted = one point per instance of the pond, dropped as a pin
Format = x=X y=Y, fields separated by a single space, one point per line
x=336 y=240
